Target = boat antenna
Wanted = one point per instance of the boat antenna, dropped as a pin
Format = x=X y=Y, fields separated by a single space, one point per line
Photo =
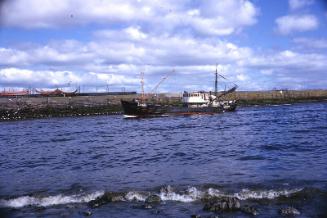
x=216 y=83
x=142 y=86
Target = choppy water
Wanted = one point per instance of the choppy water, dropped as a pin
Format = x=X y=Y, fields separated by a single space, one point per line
x=268 y=157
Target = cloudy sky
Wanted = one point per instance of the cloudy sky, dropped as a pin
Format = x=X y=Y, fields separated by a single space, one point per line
x=257 y=44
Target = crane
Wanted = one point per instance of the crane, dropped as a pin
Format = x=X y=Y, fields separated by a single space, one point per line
x=154 y=90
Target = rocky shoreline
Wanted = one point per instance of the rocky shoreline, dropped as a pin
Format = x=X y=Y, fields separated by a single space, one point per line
x=213 y=206
x=199 y=202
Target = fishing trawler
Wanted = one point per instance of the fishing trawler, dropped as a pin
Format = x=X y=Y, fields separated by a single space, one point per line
x=192 y=103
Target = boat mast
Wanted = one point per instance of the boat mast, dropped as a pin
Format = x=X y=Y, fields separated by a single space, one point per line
x=142 y=86
x=216 y=83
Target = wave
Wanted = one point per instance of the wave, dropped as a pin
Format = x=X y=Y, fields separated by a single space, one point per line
x=166 y=193
x=268 y=194
x=24 y=201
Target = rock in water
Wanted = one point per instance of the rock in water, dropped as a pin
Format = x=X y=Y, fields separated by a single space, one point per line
x=219 y=204
x=289 y=211
x=249 y=210
x=153 y=199
x=107 y=198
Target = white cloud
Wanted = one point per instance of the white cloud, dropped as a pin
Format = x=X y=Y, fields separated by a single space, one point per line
x=45 y=78
x=135 y=33
x=10 y=56
x=47 y=55
x=52 y=13
x=298 y=4
x=311 y=43
x=118 y=53
x=241 y=77
x=292 y=70
x=291 y=62
x=128 y=34
x=218 y=17
x=296 y=23
x=128 y=46
x=267 y=71
x=212 y=17
x=154 y=37
x=117 y=56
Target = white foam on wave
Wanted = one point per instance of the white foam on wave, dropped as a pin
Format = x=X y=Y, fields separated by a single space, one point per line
x=265 y=194
x=246 y=194
x=191 y=194
x=167 y=194
x=136 y=196
x=49 y=201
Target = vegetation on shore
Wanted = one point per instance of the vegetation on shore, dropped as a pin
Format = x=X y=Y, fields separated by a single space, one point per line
x=244 y=102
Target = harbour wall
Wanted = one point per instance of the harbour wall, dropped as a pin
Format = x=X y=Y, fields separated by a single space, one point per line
x=277 y=96
x=24 y=107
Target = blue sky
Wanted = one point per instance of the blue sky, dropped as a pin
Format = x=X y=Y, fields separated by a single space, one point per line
x=257 y=44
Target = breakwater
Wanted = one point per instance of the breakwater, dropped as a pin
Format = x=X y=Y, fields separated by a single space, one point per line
x=278 y=96
x=27 y=107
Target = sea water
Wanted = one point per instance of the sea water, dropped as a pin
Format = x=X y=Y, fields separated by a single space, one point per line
x=268 y=157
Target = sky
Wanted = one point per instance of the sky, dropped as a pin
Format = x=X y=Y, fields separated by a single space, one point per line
x=104 y=44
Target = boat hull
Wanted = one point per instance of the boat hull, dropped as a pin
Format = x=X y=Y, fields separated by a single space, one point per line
x=230 y=107
x=133 y=109
x=194 y=111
